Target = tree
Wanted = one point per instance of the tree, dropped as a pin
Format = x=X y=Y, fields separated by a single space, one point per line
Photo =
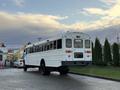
x=107 y=53
x=98 y=53
x=116 y=56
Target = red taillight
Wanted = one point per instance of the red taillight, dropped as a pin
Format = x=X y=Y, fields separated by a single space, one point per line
x=68 y=51
x=87 y=51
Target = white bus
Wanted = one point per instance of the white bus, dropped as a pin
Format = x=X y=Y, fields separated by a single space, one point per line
x=56 y=54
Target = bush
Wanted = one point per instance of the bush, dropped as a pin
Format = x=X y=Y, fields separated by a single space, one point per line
x=98 y=53
x=107 y=53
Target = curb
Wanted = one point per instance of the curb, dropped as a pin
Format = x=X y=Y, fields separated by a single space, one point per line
x=117 y=80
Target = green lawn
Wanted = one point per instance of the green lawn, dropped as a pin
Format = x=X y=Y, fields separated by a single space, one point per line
x=105 y=71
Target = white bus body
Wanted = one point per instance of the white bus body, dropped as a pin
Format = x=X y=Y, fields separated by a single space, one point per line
x=70 y=48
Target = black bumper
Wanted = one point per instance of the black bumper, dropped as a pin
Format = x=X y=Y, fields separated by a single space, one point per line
x=73 y=63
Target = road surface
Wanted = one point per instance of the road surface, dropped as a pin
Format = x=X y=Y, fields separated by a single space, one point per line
x=16 y=79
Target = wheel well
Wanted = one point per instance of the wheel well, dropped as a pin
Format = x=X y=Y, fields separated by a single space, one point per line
x=42 y=61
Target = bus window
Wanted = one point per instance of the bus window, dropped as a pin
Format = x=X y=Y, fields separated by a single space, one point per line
x=30 y=50
x=51 y=45
x=27 y=50
x=87 y=43
x=44 y=47
x=34 y=50
x=68 y=43
x=48 y=46
x=78 y=43
x=59 y=44
x=38 y=48
x=54 y=44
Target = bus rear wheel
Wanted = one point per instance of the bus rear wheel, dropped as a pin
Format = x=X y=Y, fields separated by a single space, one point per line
x=43 y=69
x=63 y=70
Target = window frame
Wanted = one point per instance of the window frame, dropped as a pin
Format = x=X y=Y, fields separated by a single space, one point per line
x=59 y=44
x=80 y=46
x=67 y=44
x=89 y=43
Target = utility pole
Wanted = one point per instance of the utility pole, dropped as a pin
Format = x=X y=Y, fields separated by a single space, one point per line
x=118 y=39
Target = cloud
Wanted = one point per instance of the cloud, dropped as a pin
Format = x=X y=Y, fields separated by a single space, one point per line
x=96 y=11
x=109 y=2
x=99 y=24
x=21 y=27
x=111 y=12
x=21 y=20
x=19 y=3
x=36 y=23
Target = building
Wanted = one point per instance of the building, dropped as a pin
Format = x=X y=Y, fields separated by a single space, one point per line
x=3 y=52
x=19 y=53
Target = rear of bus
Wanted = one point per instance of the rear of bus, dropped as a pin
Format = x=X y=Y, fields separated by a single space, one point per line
x=77 y=49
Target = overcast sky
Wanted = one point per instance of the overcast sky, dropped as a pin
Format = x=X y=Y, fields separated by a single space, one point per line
x=26 y=20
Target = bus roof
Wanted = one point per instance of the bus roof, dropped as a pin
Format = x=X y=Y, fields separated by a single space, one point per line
x=68 y=33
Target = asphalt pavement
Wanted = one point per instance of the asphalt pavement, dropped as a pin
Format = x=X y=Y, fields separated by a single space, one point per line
x=17 y=79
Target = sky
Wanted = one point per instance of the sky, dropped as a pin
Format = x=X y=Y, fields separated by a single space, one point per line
x=22 y=21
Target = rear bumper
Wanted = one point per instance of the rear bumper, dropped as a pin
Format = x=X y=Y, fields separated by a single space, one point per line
x=73 y=63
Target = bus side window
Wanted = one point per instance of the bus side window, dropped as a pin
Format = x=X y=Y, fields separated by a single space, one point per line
x=37 y=48
x=34 y=50
x=42 y=48
x=27 y=51
x=51 y=45
x=30 y=50
x=54 y=45
x=48 y=47
x=45 y=47
x=59 y=44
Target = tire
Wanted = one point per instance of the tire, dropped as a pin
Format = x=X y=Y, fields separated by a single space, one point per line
x=43 y=68
x=24 y=66
x=63 y=70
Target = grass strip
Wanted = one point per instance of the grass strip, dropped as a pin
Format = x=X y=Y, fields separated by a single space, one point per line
x=102 y=71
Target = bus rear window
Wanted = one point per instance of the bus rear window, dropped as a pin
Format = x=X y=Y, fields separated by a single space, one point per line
x=87 y=43
x=68 y=43
x=78 y=43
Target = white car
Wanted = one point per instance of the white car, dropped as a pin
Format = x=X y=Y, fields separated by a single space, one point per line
x=18 y=63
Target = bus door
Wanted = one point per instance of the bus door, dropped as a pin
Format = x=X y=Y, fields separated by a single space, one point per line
x=78 y=49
